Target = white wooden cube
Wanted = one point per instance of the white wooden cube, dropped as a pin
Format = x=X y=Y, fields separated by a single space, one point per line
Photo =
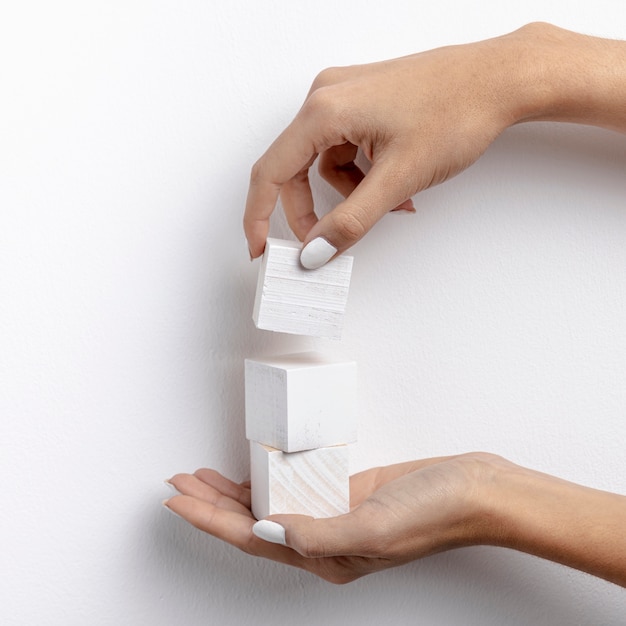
x=300 y=401
x=292 y=299
x=312 y=482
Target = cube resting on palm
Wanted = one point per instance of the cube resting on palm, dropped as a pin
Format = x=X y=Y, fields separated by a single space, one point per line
x=312 y=482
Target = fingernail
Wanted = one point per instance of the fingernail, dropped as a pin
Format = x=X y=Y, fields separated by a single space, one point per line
x=164 y=503
x=270 y=531
x=317 y=253
x=170 y=486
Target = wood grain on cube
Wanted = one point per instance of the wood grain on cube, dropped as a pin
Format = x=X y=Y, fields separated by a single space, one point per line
x=292 y=299
x=312 y=482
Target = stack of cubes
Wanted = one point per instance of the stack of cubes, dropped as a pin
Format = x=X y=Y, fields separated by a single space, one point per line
x=300 y=408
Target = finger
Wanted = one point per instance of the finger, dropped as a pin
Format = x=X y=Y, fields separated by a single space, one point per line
x=230 y=527
x=350 y=534
x=407 y=206
x=320 y=124
x=338 y=168
x=337 y=569
x=290 y=154
x=297 y=201
x=385 y=187
x=190 y=485
x=238 y=492
x=379 y=528
x=295 y=194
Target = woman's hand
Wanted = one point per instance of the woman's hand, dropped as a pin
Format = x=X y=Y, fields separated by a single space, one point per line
x=420 y=120
x=403 y=512
x=399 y=513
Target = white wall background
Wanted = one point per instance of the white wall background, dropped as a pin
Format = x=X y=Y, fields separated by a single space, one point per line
x=493 y=319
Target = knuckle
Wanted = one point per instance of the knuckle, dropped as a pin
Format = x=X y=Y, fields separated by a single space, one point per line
x=257 y=172
x=479 y=456
x=350 y=226
x=327 y=76
x=323 y=104
x=478 y=465
x=247 y=547
x=308 y=548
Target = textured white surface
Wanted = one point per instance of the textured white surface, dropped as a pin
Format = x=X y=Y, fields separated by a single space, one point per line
x=301 y=401
x=292 y=299
x=492 y=319
x=312 y=482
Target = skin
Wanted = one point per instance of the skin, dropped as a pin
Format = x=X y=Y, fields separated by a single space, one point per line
x=420 y=120
x=406 y=511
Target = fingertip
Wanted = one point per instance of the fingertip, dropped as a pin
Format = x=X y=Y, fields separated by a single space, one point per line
x=166 y=506
x=406 y=206
x=170 y=485
x=255 y=230
x=317 y=253
x=270 y=531
x=255 y=247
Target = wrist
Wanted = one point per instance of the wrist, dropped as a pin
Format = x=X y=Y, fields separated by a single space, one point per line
x=557 y=520
x=564 y=76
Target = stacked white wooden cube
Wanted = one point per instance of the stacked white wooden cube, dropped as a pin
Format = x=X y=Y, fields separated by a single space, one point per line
x=300 y=408
x=291 y=299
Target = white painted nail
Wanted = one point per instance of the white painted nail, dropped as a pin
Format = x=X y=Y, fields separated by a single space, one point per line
x=270 y=531
x=317 y=253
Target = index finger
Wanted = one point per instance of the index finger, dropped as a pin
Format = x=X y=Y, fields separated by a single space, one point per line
x=291 y=153
x=319 y=125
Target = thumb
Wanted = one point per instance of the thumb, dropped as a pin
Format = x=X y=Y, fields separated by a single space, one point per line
x=311 y=537
x=380 y=191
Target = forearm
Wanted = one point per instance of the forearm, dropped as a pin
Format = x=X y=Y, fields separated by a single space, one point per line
x=568 y=77
x=554 y=519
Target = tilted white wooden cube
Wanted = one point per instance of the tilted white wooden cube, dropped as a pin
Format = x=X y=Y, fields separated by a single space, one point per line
x=292 y=299
x=300 y=401
x=312 y=482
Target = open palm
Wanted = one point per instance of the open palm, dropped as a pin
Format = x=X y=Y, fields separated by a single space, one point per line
x=398 y=513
